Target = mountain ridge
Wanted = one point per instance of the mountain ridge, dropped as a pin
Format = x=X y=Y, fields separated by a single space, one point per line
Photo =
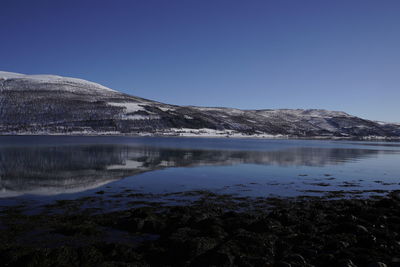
x=51 y=104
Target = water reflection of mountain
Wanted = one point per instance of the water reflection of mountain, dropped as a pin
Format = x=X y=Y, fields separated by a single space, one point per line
x=74 y=168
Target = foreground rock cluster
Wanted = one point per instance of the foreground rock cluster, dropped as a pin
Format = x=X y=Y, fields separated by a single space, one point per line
x=212 y=231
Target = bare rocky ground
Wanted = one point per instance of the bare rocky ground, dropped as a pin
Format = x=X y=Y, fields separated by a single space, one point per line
x=211 y=230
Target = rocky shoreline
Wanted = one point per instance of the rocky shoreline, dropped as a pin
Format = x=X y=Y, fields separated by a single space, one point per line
x=212 y=230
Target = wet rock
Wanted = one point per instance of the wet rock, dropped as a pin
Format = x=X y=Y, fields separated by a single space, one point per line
x=84 y=228
x=349 y=228
x=296 y=259
x=395 y=195
x=336 y=245
x=285 y=217
x=261 y=225
x=142 y=212
x=346 y=263
x=214 y=258
x=90 y=255
x=366 y=241
x=282 y=248
x=216 y=232
x=233 y=223
x=200 y=245
x=208 y=224
x=377 y=264
x=130 y=224
x=155 y=255
x=153 y=225
x=307 y=227
x=325 y=259
x=252 y=261
x=386 y=203
x=252 y=243
x=64 y=255
x=181 y=235
x=273 y=232
x=282 y=264
x=361 y=229
x=350 y=218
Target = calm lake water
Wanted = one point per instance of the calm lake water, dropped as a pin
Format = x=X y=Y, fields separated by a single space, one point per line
x=45 y=168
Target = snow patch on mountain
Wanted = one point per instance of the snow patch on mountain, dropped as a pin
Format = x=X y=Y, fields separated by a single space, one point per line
x=166 y=109
x=129 y=106
x=206 y=132
x=128 y=165
x=44 y=78
x=233 y=111
x=141 y=117
x=321 y=113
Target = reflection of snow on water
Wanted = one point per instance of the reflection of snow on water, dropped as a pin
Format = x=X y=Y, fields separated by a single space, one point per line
x=50 y=166
x=128 y=164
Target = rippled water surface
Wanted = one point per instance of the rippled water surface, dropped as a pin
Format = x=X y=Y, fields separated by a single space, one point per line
x=57 y=167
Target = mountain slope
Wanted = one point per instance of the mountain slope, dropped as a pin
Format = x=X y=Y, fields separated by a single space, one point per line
x=40 y=104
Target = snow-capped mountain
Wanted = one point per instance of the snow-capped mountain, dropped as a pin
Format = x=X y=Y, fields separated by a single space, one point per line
x=48 y=104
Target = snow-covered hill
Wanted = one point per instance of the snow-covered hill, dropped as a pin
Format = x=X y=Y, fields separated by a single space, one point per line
x=48 y=104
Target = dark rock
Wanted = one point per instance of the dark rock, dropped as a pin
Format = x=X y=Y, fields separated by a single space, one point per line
x=296 y=259
x=200 y=245
x=346 y=263
x=325 y=260
x=261 y=225
x=385 y=203
x=252 y=261
x=395 y=195
x=153 y=225
x=314 y=232
x=366 y=241
x=377 y=264
x=214 y=258
x=336 y=245
x=282 y=264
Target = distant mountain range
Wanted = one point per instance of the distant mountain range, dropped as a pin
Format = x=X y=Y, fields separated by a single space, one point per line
x=48 y=104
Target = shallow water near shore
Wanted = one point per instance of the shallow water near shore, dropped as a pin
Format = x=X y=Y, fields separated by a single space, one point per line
x=41 y=169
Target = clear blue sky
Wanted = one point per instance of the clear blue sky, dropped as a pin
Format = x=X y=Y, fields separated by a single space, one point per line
x=337 y=54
